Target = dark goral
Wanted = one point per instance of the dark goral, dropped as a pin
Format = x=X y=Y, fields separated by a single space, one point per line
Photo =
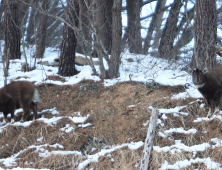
x=209 y=85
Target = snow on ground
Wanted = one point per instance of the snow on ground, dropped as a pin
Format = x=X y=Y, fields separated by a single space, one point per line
x=144 y=69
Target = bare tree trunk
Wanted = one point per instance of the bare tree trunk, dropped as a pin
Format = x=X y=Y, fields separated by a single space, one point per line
x=114 y=61
x=103 y=36
x=6 y=62
x=42 y=29
x=153 y=24
x=205 y=34
x=86 y=28
x=158 y=30
x=169 y=32
x=134 y=26
x=103 y=23
x=11 y=28
x=68 y=46
x=185 y=38
x=30 y=27
x=1 y=24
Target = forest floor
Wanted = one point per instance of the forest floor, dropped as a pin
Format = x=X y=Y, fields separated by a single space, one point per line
x=118 y=114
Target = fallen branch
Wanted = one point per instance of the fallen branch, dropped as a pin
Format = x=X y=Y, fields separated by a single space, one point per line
x=149 y=140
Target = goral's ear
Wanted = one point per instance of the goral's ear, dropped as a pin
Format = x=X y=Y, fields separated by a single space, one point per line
x=205 y=70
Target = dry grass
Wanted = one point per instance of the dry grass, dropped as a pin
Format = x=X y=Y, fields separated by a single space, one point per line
x=114 y=123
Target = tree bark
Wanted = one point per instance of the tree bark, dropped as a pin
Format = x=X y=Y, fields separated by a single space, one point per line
x=42 y=29
x=169 y=32
x=31 y=24
x=85 y=47
x=103 y=23
x=134 y=26
x=11 y=29
x=68 y=46
x=185 y=38
x=205 y=34
x=102 y=19
x=158 y=30
x=153 y=24
x=114 y=61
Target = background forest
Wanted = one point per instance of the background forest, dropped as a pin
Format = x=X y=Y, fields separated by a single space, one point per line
x=103 y=28
x=100 y=28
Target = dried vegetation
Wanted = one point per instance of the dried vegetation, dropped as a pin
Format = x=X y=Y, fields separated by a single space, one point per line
x=113 y=123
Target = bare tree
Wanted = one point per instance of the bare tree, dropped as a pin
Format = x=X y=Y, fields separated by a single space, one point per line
x=158 y=30
x=31 y=22
x=205 y=34
x=156 y=21
x=68 y=46
x=115 y=60
x=133 y=26
x=11 y=29
x=103 y=23
x=102 y=20
x=85 y=21
x=170 y=31
x=42 y=29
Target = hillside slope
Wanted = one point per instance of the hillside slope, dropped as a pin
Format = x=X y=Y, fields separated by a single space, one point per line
x=91 y=126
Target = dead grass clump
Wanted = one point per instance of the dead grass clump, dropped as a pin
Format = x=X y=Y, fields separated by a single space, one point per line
x=173 y=89
x=116 y=128
x=217 y=154
x=60 y=162
x=161 y=142
x=8 y=138
x=74 y=141
x=159 y=158
x=56 y=78
x=122 y=159
x=39 y=129
x=195 y=110
x=29 y=155
x=214 y=128
x=63 y=122
x=199 y=165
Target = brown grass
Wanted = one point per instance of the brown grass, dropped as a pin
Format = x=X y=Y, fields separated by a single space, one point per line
x=114 y=123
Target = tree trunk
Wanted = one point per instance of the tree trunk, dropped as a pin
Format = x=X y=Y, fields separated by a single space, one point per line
x=185 y=38
x=134 y=26
x=169 y=32
x=31 y=25
x=114 y=61
x=102 y=19
x=85 y=47
x=103 y=23
x=155 y=20
x=205 y=34
x=68 y=46
x=12 y=31
x=42 y=29
x=158 y=30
